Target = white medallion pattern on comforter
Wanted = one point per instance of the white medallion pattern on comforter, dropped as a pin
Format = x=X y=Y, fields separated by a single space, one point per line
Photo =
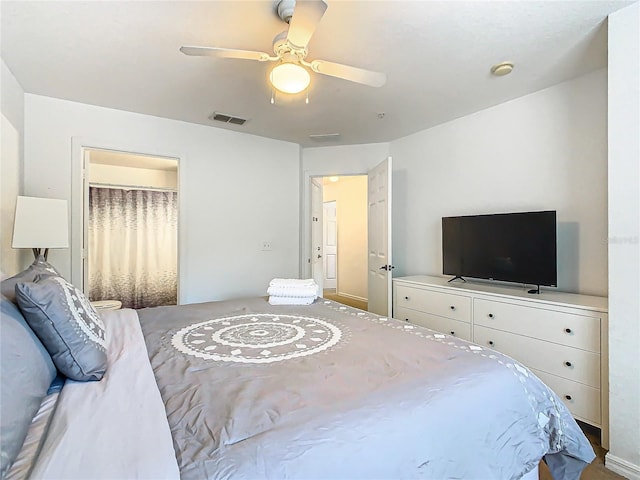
x=256 y=338
x=386 y=400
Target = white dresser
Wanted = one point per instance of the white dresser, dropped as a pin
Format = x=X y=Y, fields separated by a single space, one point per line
x=561 y=337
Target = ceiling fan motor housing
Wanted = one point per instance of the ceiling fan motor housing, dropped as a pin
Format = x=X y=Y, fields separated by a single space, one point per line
x=283 y=48
x=285 y=9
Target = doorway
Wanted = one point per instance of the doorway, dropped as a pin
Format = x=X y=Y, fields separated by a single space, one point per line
x=131 y=228
x=344 y=239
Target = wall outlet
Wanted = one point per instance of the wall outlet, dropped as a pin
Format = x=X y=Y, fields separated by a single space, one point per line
x=266 y=246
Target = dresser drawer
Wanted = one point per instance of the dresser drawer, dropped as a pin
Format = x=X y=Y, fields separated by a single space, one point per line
x=581 y=400
x=579 y=331
x=567 y=362
x=440 y=324
x=447 y=305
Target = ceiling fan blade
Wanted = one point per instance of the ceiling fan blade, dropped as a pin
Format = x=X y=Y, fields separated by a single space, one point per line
x=225 y=53
x=346 y=72
x=306 y=16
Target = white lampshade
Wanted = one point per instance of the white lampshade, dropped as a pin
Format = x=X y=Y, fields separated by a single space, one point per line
x=41 y=223
x=290 y=77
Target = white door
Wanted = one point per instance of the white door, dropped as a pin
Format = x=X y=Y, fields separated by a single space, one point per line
x=316 y=233
x=379 y=248
x=330 y=246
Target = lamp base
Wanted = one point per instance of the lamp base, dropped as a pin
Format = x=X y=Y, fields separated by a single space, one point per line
x=38 y=251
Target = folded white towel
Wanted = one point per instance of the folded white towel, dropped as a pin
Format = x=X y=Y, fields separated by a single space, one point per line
x=292 y=282
x=293 y=291
x=274 y=300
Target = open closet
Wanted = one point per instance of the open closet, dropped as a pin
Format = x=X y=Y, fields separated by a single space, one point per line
x=131 y=229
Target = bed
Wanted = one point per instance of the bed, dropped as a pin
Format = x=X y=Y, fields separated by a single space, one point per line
x=242 y=389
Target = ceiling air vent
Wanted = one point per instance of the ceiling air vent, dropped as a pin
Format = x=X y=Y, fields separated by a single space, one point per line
x=325 y=137
x=223 y=117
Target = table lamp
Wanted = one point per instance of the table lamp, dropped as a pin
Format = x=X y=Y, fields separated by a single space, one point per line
x=41 y=223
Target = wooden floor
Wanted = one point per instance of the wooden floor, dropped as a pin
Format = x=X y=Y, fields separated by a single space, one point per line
x=332 y=295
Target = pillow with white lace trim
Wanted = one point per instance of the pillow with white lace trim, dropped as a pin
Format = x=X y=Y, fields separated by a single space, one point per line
x=67 y=325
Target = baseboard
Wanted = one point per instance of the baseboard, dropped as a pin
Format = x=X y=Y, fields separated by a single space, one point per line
x=352 y=297
x=622 y=467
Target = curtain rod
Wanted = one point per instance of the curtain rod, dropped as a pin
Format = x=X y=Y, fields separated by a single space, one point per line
x=132 y=187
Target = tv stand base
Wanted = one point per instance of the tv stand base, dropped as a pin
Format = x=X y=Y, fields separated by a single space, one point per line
x=455 y=278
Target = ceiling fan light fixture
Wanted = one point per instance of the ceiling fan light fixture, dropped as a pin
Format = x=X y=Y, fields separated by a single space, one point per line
x=290 y=78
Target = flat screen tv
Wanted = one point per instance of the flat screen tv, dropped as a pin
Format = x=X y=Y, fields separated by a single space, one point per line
x=510 y=247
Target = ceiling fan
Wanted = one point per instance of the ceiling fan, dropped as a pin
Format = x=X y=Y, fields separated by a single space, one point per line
x=290 y=51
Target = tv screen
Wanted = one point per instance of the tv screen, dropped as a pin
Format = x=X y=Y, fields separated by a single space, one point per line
x=511 y=247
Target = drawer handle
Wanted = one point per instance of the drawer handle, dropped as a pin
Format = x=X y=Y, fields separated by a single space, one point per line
x=452 y=332
x=406 y=319
x=491 y=315
x=452 y=307
x=490 y=342
x=567 y=330
x=406 y=298
x=568 y=397
x=568 y=364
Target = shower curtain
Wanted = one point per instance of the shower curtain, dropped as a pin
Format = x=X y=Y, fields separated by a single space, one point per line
x=133 y=246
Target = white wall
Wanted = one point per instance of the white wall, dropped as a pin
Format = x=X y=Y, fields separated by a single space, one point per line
x=624 y=245
x=325 y=162
x=544 y=151
x=236 y=190
x=350 y=195
x=12 y=133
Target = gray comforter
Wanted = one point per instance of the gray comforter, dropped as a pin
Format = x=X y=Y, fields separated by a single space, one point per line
x=326 y=391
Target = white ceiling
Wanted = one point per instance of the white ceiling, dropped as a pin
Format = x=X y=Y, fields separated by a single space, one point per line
x=436 y=54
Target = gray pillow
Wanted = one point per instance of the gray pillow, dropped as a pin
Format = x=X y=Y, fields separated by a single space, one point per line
x=67 y=324
x=26 y=372
x=39 y=267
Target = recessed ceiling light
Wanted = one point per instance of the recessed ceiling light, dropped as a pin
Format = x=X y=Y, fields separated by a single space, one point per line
x=502 y=69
